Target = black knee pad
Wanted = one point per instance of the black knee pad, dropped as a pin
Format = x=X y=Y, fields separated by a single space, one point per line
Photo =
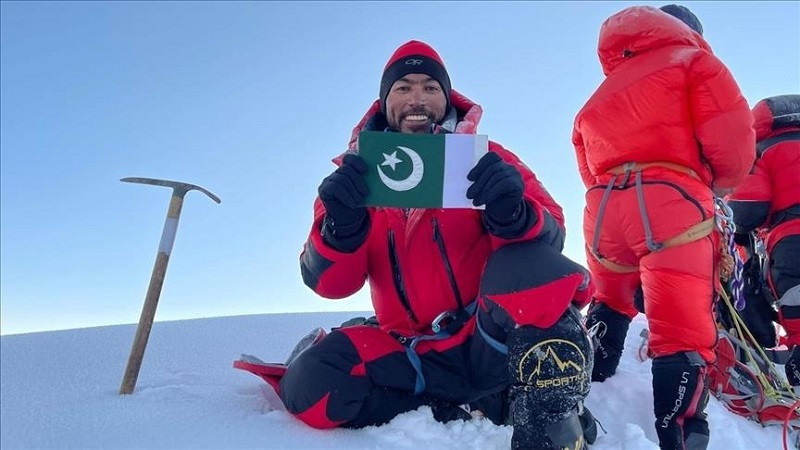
x=549 y=373
x=556 y=359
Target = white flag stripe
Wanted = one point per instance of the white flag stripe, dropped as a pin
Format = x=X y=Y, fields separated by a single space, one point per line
x=461 y=153
x=481 y=148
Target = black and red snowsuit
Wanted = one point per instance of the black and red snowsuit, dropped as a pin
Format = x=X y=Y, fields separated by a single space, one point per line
x=769 y=200
x=421 y=263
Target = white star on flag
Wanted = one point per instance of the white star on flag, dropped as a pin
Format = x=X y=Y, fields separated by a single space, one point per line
x=391 y=160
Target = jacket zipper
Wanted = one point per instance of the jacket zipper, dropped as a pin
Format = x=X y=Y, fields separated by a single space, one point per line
x=437 y=237
x=398 y=278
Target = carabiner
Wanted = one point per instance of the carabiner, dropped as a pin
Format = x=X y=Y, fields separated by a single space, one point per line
x=437 y=325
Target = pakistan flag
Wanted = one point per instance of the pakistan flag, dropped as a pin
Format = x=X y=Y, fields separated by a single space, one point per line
x=420 y=170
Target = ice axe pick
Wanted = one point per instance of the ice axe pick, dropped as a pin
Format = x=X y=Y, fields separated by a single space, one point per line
x=179 y=190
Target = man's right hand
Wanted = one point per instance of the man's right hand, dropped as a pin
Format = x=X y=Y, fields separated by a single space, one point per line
x=343 y=193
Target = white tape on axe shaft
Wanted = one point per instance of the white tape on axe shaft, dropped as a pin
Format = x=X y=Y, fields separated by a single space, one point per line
x=168 y=235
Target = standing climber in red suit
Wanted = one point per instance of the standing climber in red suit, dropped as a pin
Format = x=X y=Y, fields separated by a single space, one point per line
x=666 y=130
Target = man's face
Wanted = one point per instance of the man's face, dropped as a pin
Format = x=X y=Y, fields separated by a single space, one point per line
x=414 y=103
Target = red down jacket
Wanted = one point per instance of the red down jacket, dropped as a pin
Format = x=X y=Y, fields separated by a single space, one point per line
x=769 y=201
x=671 y=106
x=771 y=191
x=666 y=98
x=409 y=256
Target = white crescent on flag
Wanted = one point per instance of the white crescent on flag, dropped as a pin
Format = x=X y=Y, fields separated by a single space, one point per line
x=413 y=179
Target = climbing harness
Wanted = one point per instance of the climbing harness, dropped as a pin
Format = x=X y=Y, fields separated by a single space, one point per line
x=694 y=233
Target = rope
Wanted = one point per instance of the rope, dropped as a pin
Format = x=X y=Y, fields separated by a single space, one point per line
x=724 y=216
x=795 y=406
x=736 y=283
x=740 y=331
x=725 y=224
x=741 y=328
x=745 y=333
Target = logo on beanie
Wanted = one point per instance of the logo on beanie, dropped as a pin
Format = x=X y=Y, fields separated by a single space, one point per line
x=413 y=178
x=413 y=62
x=553 y=363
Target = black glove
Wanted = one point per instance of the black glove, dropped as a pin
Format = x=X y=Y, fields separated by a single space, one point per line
x=343 y=193
x=498 y=185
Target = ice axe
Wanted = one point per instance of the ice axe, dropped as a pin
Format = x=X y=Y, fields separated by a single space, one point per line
x=179 y=190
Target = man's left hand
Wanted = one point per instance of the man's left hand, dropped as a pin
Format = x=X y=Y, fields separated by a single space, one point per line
x=499 y=186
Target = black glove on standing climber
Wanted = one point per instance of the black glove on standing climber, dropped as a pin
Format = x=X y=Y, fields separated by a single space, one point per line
x=343 y=192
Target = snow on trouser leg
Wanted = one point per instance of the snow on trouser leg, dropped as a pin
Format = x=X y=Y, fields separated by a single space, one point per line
x=680 y=394
x=549 y=370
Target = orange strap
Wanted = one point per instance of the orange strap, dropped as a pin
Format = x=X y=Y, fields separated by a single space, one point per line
x=614 y=267
x=636 y=166
x=696 y=232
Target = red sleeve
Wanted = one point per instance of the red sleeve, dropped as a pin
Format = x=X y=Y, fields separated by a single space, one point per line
x=756 y=185
x=585 y=292
x=580 y=154
x=549 y=224
x=751 y=200
x=722 y=120
x=330 y=273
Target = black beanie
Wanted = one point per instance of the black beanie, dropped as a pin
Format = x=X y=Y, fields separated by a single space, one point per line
x=684 y=15
x=414 y=57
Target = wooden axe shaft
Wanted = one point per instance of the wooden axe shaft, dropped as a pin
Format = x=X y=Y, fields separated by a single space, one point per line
x=157 y=277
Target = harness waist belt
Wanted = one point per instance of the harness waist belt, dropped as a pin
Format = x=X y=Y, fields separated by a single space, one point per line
x=696 y=232
x=637 y=166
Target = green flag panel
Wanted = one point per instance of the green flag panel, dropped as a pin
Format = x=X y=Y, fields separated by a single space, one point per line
x=419 y=170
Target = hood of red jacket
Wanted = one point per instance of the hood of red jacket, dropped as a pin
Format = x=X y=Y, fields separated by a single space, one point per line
x=776 y=115
x=639 y=29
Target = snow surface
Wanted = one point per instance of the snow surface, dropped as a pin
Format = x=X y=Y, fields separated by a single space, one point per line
x=59 y=390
